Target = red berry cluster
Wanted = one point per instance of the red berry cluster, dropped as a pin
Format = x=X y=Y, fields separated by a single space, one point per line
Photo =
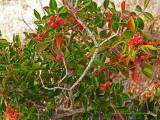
x=58 y=58
x=108 y=18
x=53 y=23
x=10 y=112
x=39 y=37
x=104 y=86
x=127 y=16
x=138 y=40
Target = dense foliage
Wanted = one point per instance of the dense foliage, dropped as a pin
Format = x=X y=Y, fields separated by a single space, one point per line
x=61 y=70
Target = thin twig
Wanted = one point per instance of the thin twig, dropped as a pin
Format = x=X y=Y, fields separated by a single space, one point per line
x=42 y=8
x=138 y=94
x=72 y=113
x=66 y=71
x=75 y=4
x=26 y=23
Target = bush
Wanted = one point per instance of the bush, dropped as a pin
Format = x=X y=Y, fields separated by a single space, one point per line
x=61 y=71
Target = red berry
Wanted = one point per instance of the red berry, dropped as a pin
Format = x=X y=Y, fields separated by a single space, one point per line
x=58 y=58
x=132 y=47
x=107 y=83
x=53 y=25
x=140 y=41
x=60 y=23
x=80 y=27
x=104 y=88
x=132 y=16
x=125 y=17
x=16 y=114
x=38 y=38
x=85 y=96
x=107 y=19
x=60 y=19
x=70 y=11
x=51 y=18
x=20 y=50
x=101 y=84
x=20 y=114
x=110 y=14
x=154 y=44
x=49 y=22
x=59 y=77
x=45 y=32
x=93 y=88
x=57 y=20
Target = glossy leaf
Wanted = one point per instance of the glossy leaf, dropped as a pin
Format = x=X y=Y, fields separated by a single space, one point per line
x=123 y=5
x=37 y=15
x=138 y=8
x=148 y=15
x=134 y=75
x=148 y=71
x=146 y=2
x=53 y=4
x=106 y=3
x=115 y=27
x=123 y=70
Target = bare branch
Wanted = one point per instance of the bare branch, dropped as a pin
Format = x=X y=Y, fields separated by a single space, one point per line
x=78 y=19
x=138 y=94
x=66 y=71
x=72 y=113
x=42 y=8
x=76 y=4
x=50 y=88
x=89 y=65
x=26 y=23
x=108 y=39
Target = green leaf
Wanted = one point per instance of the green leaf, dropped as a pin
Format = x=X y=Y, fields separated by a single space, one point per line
x=158 y=116
x=53 y=5
x=106 y=3
x=95 y=82
x=117 y=43
x=106 y=94
x=97 y=21
x=148 y=15
x=115 y=27
x=146 y=50
x=22 y=100
x=150 y=117
x=4 y=43
x=146 y=2
x=148 y=71
x=14 y=71
x=4 y=81
x=93 y=104
x=85 y=105
x=140 y=23
x=89 y=89
x=123 y=71
x=7 y=57
x=114 y=99
x=150 y=47
x=41 y=46
x=138 y=8
x=124 y=96
x=128 y=34
x=151 y=105
x=37 y=15
x=86 y=3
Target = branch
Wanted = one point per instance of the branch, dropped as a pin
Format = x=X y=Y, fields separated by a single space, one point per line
x=50 y=88
x=71 y=113
x=138 y=94
x=89 y=65
x=108 y=39
x=66 y=71
x=26 y=23
x=79 y=20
